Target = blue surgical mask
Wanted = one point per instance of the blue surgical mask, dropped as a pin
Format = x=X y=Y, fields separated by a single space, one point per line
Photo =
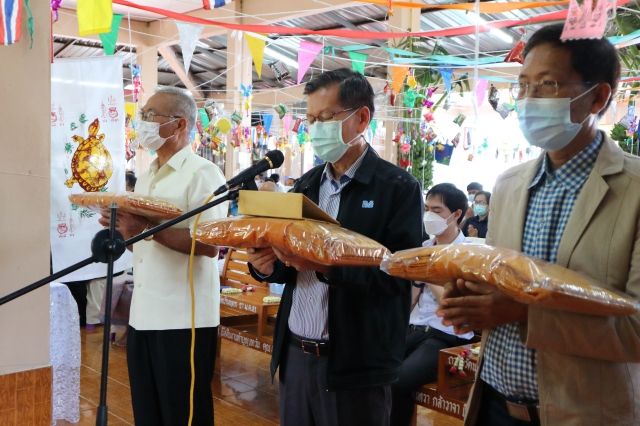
x=326 y=139
x=546 y=122
x=480 y=209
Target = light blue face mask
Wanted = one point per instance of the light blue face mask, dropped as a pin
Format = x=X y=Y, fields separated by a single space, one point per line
x=326 y=139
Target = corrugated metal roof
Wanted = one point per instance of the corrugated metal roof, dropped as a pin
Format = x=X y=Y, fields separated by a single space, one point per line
x=209 y=63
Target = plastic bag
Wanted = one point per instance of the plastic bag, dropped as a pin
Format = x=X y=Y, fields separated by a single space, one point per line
x=152 y=208
x=525 y=279
x=321 y=242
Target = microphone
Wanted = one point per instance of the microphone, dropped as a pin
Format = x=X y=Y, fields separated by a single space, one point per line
x=272 y=160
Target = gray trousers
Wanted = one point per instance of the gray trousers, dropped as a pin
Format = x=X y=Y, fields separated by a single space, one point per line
x=305 y=400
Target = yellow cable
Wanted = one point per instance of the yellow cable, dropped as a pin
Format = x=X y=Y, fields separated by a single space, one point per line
x=193 y=314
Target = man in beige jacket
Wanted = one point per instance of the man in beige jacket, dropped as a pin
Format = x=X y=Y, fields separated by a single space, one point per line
x=577 y=206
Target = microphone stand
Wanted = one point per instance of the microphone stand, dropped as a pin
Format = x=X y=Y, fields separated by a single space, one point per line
x=106 y=247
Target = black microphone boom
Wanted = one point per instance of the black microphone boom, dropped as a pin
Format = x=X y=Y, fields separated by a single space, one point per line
x=272 y=160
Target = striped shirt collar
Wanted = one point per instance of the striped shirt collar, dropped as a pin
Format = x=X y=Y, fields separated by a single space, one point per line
x=347 y=176
x=573 y=173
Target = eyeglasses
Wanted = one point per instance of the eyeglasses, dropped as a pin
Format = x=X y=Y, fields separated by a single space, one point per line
x=541 y=88
x=325 y=116
x=151 y=115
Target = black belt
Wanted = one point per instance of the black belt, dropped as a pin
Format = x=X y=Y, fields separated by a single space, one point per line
x=310 y=346
x=525 y=411
x=424 y=328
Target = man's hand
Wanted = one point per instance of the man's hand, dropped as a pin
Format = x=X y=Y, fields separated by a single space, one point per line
x=127 y=224
x=262 y=260
x=472 y=231
x=299 y=263
x=469 y=306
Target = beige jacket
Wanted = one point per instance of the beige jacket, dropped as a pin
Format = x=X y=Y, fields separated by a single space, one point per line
x=588 y=366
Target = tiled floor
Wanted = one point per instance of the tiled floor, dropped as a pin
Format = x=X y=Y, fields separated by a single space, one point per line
x=243 y=393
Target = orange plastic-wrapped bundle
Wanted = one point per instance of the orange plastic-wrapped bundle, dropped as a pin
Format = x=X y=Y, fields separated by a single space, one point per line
x=152 y=208
x=520 y=277
x=320 y=242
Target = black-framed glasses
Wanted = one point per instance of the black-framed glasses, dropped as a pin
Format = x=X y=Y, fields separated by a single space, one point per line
x=151 y=115
x=540 y=88
x=324 y=116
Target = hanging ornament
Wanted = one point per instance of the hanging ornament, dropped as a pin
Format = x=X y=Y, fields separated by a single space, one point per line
x=296 y=125
x=137 y=82
x=392 y=99
x=236 y=117
x=428 y=117
x=55 y=5
x=223 y=125
x=281 y=109
x=410 y=98
x=459 y=119
x=405 y=148
x=494 y=97
x=411 y=81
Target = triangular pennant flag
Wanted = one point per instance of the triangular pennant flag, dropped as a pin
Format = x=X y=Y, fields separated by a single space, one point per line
x=109 y=39
x=94 y=16
x=306 y=55
x=481 y=90
x=446 y=74
x=357 y=61
x=256 y=47
x=398 y=74
x=189 y=34
x=267 y=119
x=286 y=122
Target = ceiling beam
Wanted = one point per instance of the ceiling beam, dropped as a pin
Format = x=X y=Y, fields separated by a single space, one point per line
x=65 y=46
x=178 y=67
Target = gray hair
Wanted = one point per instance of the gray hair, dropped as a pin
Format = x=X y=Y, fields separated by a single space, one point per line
x=182 y=104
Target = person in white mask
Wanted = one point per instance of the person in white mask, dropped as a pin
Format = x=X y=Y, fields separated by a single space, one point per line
x=578 y=205
x=340 y=332
x=159 y=333
x=444 y=208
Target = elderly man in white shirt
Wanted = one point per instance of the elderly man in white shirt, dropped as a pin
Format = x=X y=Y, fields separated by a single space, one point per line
x=158 y=344
x=445 y=209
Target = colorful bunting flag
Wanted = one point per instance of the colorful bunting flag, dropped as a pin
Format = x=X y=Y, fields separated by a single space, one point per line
x=398 y=74
x=109 y=39
x=358 y=61
x=267 y=119
x=256 y=47
x=446 y=74
x=443 y=153
x=189 y=34
x=586 y=19
x=94 y=16
x=10 y=27
x=306 y=55
x=481 y=90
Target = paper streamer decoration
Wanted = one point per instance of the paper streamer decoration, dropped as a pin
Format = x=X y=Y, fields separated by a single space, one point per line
x=189 y=34
x=267 y=120
x=109 y=39
x=398 y=74
x=358 y=61
x=356 y=34
x=446 y=74
x=55 y=5
x=256 y=47
x=94 y=16
x=587 y=19
x=30 y=22
x=481 y=91
x=306 y=55
x=10 y=25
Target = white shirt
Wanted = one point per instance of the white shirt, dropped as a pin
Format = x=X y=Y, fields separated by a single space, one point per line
x=424 y=313
x=161 y=299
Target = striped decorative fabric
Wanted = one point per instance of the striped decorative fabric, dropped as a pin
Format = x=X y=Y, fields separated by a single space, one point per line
x=206 y=4
x=10 y=18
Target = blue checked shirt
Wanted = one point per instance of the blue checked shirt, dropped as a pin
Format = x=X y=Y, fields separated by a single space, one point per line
x=310 y=307
x=509 y=366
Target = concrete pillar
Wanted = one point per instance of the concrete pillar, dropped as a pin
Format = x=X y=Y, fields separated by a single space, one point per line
x=239 y=71
x=147 y=58
x=24 y=223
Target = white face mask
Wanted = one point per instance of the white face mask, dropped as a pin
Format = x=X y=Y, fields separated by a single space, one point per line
x=326 y=139
x=148 y=135
x=546 y=122
x=435 y=224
